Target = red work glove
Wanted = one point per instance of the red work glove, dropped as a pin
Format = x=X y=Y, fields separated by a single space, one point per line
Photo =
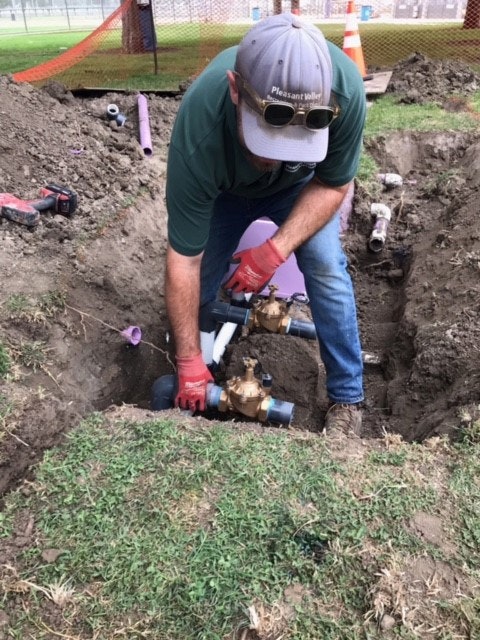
x=193 y=377
x=256 y=268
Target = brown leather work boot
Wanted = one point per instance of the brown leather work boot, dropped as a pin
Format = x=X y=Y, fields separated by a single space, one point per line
x=343 y=418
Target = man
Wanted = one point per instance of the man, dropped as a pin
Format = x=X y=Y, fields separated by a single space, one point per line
x=271 y=128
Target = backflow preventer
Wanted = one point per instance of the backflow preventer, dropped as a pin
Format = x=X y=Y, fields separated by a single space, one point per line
x=245 y=394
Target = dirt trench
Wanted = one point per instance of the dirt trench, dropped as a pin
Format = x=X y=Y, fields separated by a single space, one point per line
x=72 y=285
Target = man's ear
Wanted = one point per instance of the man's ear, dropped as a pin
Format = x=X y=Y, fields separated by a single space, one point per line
x=232 y=85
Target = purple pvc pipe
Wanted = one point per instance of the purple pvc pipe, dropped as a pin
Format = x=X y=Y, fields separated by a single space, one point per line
x=144 y=125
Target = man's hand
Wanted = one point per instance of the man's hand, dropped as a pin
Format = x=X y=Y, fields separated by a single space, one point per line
x=193 y=377
x=256 y=268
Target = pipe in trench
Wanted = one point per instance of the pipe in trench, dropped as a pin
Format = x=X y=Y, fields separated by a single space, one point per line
x=382 y=215
x=213 y=345
x=164 y=390
x=144 y=125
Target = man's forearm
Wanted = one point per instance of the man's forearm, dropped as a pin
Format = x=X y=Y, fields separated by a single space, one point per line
x=313 y=210
x=182 y=295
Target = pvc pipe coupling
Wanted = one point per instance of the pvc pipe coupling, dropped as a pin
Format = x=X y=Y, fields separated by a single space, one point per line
x=132 y=334
x=382 y=215
x=113 y=113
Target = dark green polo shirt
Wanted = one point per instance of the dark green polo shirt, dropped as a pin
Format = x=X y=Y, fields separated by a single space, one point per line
x=205 y=157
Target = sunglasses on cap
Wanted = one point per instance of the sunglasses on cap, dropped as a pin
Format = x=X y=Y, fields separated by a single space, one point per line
x=281 y=114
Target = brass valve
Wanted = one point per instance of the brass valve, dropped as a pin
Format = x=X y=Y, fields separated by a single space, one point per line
x=271 y=314
x=247 y=395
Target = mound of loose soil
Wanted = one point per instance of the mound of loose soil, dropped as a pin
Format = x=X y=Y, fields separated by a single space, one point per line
x=418 y=79
x=71 y=285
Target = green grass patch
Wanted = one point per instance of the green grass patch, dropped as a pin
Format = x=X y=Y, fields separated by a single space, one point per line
x=184 y=528
x=185 y=49
x=387 y=115
x=22 y=52
x=5 y=361
x=465 y=487
x=36 y=309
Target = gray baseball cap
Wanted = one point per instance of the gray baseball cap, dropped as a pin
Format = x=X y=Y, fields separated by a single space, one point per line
x=286 y=59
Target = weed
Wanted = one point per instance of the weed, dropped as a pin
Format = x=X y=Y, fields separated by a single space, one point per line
x=60 y=591
x=52 y=302
x=5 y=361
x=37 y=310
x=7 y=422
x=6 y=409
x=394 y=458
x=17 y=305
x=445 y=183
x=470 y=424
x=367 y=176
x=32 y=355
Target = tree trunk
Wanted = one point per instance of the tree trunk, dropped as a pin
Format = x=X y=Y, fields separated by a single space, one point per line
x=277 y=6
x=472 y=15
x=132 y=41
x=295 y=6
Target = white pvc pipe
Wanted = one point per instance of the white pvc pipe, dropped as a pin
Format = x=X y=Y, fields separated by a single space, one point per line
x=382 y=215
x=207 y=341
x=226 y=332
x=221 y=341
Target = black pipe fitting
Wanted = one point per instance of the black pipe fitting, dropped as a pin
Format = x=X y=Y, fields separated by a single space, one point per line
x=302 y=329
x=218 y=311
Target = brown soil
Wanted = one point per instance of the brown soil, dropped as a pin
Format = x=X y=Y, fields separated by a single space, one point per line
x=418 y=299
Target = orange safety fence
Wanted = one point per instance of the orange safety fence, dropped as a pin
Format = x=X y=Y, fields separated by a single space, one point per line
x=75 y=54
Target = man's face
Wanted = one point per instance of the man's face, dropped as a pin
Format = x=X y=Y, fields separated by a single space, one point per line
x=262 y=164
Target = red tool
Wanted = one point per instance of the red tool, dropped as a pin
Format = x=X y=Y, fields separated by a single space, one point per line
x=60 y=199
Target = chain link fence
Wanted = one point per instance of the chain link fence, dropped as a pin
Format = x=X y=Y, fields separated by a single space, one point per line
x=37 y=16
x=174 y=39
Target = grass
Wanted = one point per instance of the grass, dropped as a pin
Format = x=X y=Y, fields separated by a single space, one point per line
x=32 y=355
x=32 y=310
x=6 y=411
x=185 y=49
x=175 y=531
x=387 y=115
x=5 y=361
x=22 y=52
x=38 y=309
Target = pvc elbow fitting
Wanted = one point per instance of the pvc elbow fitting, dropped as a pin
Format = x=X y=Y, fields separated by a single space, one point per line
x=113 y=113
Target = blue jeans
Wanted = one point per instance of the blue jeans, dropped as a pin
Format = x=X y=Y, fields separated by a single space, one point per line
x=328 y=284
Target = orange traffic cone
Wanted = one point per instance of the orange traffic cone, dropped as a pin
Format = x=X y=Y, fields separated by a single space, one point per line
x=351 y=41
